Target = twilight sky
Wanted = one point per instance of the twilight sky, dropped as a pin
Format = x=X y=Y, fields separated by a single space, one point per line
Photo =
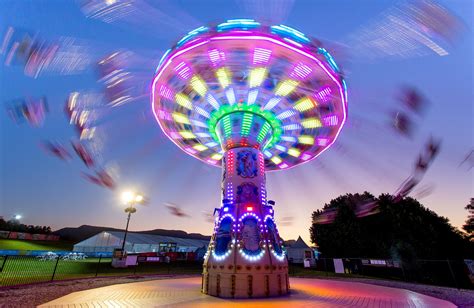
x=369 y=155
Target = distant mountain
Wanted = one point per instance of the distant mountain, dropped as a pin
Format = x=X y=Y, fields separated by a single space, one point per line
x=85 y=231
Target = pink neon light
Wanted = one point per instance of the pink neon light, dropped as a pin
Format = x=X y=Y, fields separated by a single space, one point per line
x=260 y=37
x=249 y=208
x=324 y=94
x=322 y=141
x=283 y=166
x=183 y=71
x=166 y=92
x=216 y=56
x=261 y=56
x=300 y=71
x=306 y=156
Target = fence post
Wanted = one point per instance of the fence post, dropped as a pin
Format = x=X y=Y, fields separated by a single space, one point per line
x=55 y=267
x=3 y=263
x=452 y=274
x=325 y=267
x=98 y=265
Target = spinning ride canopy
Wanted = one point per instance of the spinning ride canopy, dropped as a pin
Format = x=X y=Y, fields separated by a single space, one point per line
x=242 y=84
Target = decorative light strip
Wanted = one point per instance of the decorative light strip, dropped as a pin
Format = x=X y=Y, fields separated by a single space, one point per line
x=211 y=144
x=216 y=156
x=221 y=257
x=183 y=71
x=276 y=160
x=311 y=123
x=199 y=147
x=252 y=96
x=202 y=112
x=272 y=103
x=286 y=114
x=274 y=123
x=227 y=125
x=212 y=101
x=292 y=127
x=230 y=96
x=322 y=141
x=288 y=138
x=257 y=76
x=261 y=56
x=306 y=139
x=280 y=148
x=285 y=87
x=246 y=124
x=203 y=134
x=216 y=56
x=198 y=85
x=301 y=71
x=224 y=77
x=252 y=258
x=183 y=100
x=165 y=92
x=324 y=94
x=187 y=135
x=265 y=128
x=305 y=104
x=330 y=120
x=180 y=118
x=294 y=152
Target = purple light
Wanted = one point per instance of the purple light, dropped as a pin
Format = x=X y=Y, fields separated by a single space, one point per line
x=330 y=120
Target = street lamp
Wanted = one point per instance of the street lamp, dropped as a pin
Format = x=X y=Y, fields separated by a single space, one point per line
x=130 y=199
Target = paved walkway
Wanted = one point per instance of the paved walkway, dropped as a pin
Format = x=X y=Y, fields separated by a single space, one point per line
x=185 y=292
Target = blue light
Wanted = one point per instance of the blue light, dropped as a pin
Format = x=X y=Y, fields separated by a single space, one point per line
x=191 y=35
x=329 y=58
x=243 y=24
x=290 y=33
x=162 y=59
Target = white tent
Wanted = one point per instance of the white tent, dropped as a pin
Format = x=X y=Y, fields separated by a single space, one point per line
x=107 y=241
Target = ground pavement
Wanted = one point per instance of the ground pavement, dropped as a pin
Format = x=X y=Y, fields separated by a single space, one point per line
x=185 y=292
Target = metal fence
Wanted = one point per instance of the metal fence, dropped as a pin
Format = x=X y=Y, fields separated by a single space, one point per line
x=19 y=270
x=450 y=273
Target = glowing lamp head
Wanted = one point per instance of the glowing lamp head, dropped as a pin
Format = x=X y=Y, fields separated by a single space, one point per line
x=128 y=196
x=249 y=208
x=226 y=209
x=17 y=217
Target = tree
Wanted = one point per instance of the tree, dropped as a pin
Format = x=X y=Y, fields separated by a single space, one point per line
x=403 y=230
x=469 y=225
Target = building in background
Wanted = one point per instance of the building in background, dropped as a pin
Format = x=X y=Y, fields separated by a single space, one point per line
x=298 y=251
x=107 y=241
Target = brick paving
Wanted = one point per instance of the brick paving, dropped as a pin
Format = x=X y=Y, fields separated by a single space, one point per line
x=185 y=292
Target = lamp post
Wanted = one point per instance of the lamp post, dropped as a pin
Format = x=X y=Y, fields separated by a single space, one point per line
x=130 y=199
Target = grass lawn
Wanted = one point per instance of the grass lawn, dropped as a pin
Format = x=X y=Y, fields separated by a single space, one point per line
x=27 y=269
x=34 y=245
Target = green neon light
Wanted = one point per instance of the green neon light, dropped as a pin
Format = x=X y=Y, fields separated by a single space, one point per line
x=225 y=110
x=246 y=124
x=227 y=126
